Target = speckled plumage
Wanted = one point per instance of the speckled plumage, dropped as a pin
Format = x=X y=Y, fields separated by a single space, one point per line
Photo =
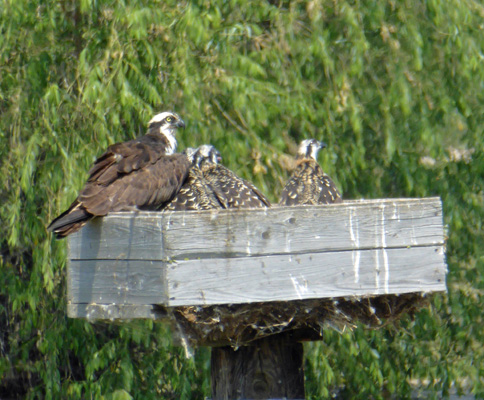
x=196 y=193
x=139 y=174
x=309 y=185
x=238 y=192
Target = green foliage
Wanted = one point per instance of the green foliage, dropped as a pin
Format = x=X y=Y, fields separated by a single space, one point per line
x=394 y=88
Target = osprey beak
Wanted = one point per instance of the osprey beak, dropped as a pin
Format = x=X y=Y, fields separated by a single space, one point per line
x=180 y=123
x=323 y=145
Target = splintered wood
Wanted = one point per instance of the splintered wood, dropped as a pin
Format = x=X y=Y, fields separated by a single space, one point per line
x=203 y=264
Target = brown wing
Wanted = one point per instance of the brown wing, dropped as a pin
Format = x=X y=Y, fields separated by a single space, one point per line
x=123 y=158
x=131 y=175
x=238 y=192
x=329 y=192
x=70 y=221
x=309 y=185
x=144 y=188
x=196 y=194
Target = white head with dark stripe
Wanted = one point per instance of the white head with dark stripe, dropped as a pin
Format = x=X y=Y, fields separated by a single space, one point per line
x=309 y=149
x=166 y=124
x=206 y=153
x=190 y=152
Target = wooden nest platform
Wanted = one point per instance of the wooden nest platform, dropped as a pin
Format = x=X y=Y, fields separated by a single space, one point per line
x=266 y=270
x=254 y=284
x=239 y=324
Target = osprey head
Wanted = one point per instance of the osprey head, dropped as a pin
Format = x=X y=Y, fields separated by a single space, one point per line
x=207 y=153
x=309 y=148
x=166 y=124
x=190 y=152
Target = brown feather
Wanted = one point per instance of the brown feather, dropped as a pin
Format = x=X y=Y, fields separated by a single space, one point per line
x=143 y=188
x=132 y=175
x=238 y=192
x=196 y=194
x=309 y=185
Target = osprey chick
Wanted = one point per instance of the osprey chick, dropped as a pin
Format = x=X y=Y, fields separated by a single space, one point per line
x=309 y=185
x=196 y=193
x=238 y=192
x=139 y=174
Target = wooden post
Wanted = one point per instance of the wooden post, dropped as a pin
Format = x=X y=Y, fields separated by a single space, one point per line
x=269 y=368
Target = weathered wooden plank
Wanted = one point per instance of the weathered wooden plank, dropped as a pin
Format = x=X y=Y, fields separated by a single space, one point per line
x=123 y=236
x=306 y=276
x=116 y=281
x=293 y=230
x=113 y=311
x=358 y=248
x=263 y=278
x=368 y=224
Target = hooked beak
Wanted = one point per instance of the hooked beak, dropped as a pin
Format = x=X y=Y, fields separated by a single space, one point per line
x=180 y=123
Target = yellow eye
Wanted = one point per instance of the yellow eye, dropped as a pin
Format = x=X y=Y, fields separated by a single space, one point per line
x=169 y=119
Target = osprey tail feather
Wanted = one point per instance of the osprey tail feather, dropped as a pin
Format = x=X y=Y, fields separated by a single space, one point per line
x=70 y=221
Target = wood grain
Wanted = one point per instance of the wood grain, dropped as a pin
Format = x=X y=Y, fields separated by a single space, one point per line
x=114 y=311
x=280 y=230
x=116 y=282
x=357 y=248
x=270 y=368
x=306 y=276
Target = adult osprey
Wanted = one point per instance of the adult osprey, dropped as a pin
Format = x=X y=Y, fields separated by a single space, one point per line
x=238 y=192
x=196 y=193
x=309 y=185
x=139 y=174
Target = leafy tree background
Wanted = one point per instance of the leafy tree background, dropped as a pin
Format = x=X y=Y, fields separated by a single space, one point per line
x=395 y=88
